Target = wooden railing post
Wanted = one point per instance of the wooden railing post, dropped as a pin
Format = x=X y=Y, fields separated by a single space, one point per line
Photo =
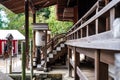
x=69 y=65
x=77 y=63
x=101 y=69
x=112 y=17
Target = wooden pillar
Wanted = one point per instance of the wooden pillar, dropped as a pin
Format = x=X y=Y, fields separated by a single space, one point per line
x=77 y=63
x=69 y=65
x=33 y=49
x=24 y=55
x=46 y=66
x=101 y=69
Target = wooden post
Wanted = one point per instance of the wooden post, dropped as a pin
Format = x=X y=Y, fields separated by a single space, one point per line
x=32 y=48
x=97 y=65
x=81 y=33
x=77 y=34
x=23 y=63
x=101 y=69
x=112 y=17
x=10 y=48
x=46 y=66
x=107 y=18
x=97 y=23
x=77 y=63
x=87 y=31
x=31 y=59
x=69 y=65
x=26 y=40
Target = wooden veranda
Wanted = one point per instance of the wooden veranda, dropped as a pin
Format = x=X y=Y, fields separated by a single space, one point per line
x=91 y=34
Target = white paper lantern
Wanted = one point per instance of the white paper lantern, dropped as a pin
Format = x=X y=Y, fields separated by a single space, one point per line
x=39 y=38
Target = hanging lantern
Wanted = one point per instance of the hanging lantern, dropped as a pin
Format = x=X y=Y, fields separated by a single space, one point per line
x=39 y=38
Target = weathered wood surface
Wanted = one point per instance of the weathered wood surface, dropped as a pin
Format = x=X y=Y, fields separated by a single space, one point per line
x=103 y=41
x=81 y=75
x=100 y=13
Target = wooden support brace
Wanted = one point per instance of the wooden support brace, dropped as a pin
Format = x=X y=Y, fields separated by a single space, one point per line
x=101 y=69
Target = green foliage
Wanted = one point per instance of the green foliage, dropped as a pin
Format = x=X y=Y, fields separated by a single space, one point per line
x=46 y=15
x=56 y=26
x=3 y=19
x=45 y=12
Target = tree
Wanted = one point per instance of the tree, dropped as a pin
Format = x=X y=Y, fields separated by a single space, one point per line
x=56 y=26
x=3 y=18
x=45 y=15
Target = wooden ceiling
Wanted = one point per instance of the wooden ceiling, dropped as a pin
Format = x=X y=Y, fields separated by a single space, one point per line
x=64 y=8
x=17 y=6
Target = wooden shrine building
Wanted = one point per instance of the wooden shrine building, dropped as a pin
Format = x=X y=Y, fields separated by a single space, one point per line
x=93 y=33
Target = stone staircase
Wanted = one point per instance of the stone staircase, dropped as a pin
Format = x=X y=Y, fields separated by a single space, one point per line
x=57 y=55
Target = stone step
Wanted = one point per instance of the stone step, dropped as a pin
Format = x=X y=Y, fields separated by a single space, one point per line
x=62 y=45
x=58 y=49
x=50 y=55
x=54 y=52
x=48 y=59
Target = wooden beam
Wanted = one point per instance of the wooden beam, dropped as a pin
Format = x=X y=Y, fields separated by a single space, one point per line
x=19 y=11
x=17 y=8
x=87 y=52
x=107 y=56
x=103 y=41
x=39 y=2
x=16 y=4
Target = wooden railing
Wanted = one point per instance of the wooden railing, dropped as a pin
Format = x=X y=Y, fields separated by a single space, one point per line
x=89 y=26
x=97 y=20
x=55 y=41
